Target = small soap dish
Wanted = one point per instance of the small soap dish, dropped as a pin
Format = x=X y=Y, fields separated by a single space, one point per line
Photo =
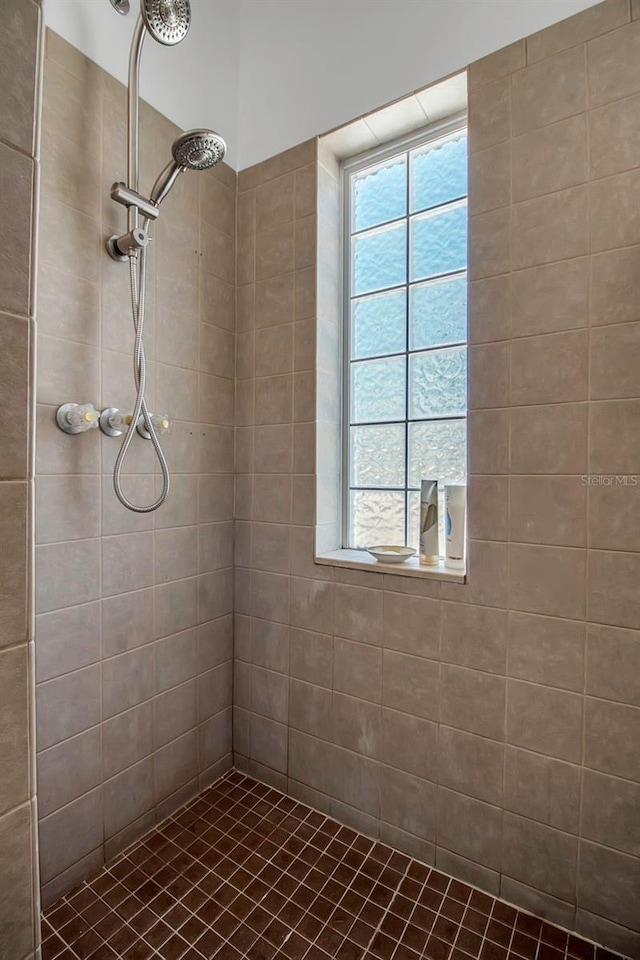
x=389 y=553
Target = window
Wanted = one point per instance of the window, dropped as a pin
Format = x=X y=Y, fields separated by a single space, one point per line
x=405 y=306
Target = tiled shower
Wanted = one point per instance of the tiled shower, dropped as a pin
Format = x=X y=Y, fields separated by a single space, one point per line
x=488 y=729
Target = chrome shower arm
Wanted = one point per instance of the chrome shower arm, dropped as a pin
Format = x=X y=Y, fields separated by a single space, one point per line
x=133 y=156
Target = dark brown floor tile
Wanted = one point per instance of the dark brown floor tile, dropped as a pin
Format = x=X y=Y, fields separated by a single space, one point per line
x=105 y=952
x=349 y=950
x=469 y=941
x=139 y=951
x=382 y=946
x=526 y=947
x=580 y=949
x=72 y=931
x=437 y=949
x=553 y=936
x=52 y=947
x=492 y=951
x=261 y=950
x=87 y=945
x=123 y=939
x=108 y=925
x=499 y=933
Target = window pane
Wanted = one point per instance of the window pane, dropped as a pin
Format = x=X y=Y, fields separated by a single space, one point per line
x=378 y=325
x=438 y=383
x=377 y=516
x=377 y=456
x=438 y=313
x=437 y=450
x=379 y=259
x=378 y=390
x=379 y=194
x=439 y=242
x=439 y=173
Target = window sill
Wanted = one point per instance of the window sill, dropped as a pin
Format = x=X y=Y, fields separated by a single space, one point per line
x=361 y=560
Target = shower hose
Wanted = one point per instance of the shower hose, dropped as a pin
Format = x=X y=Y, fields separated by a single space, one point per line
x=138 y=279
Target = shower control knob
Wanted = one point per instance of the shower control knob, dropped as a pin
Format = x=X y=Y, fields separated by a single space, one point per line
x=77 y=417
x=160 y=421
x=114 y=422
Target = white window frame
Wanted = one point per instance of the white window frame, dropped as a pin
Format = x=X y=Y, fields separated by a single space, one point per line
x=348 y=167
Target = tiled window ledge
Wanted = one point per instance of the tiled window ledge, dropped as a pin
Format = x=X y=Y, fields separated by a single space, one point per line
x=361 y=560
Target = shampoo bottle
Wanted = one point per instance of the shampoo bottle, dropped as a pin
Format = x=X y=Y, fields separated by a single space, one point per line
x=455 y=510
x=429 y=546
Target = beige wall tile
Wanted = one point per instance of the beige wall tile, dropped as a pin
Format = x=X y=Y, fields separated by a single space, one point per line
x=545 y=720
x=411 y=624
x=607 y=199
x=550 y=159
x=410 y=684
x=409 y=743
x=550 y=369
x=540 y=856
x=549 y=439
x=614 y=137
x=615 y=359
x=67 y=639
x=487 y=505
x=17 y=906
x=13 y=563
x=474 y=636
x=310 y=709
x=559 y=575
x=489 y=309
x=611 y=736
x=490 y=179
x=608 y=883
x=472 y=701
x=614 y=437
x=548 y=91
x=613 y=656
x=551 y=297
x=14 y=386
x=357 y=670
x=554 y=227
x=613 y=512
x=489 y=244
x=612 y=62
x=536 y=902
x=486 y=581
x=70 y=834
x=312 y=605
x=408 y=802
x=499 y=64
x=489 y=114
x=583 y=26
x=16 y=174
x=358 y=614
x=67 y=574
x=469 y=872
x=549 y=510
x=356 y=725
x=14 y=733
x=470 y=828
x=604 y=931
x=471 y=765
x=543 y=789
x=610 y=812
x=488 y=441
x=547 y=650
x=489 y=375
x=69 y=770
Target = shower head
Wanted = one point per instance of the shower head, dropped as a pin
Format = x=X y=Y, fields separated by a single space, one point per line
x=199 y=149
x=194 y=150
x=167 y=21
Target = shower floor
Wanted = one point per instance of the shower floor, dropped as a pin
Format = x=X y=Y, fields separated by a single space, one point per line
x=244 y=871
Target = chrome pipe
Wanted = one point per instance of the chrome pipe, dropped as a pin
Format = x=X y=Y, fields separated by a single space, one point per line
x=133 y=118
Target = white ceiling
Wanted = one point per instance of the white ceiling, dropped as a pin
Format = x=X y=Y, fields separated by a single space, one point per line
x=268 y=74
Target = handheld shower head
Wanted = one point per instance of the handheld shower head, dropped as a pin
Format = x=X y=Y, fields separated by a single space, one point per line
x=167 y=21
x=194 y=150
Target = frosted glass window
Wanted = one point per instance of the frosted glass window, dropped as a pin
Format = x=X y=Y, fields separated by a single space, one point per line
x=378 y=456
x=377 y=517
x=379 y=258
x=439 y=173
x=438 y=383
x=378 y=390
x=379 y=194
x=379 y=324
x=439 y=242
x=438 y=313
x=405 y=344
